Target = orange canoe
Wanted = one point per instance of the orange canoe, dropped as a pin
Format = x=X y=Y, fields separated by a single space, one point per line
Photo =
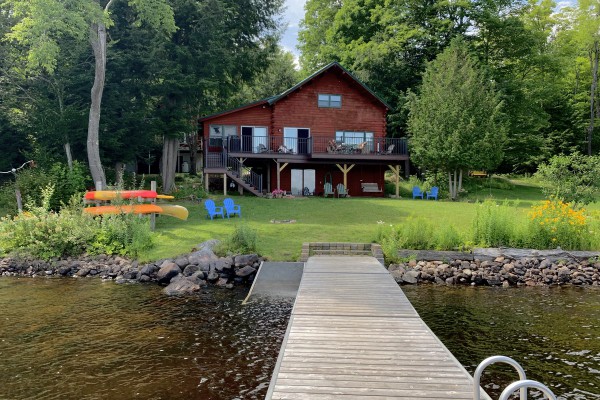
x=170 y=210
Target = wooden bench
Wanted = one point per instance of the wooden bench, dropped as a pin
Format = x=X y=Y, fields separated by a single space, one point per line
x=370 y=188
x=479 y=174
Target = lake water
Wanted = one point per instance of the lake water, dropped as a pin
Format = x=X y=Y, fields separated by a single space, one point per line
x=87 y=339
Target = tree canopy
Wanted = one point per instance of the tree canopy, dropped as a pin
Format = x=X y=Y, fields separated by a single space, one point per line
x=456 y=122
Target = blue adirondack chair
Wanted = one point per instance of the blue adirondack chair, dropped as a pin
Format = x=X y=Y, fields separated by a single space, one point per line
x=231 y=208
x=433 y=193
x=417 y=192
x=341 y=190
x=328 y=190
x=212 y=209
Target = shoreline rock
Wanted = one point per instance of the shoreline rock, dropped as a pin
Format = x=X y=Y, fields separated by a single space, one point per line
x=499 y=271
x=180 y=275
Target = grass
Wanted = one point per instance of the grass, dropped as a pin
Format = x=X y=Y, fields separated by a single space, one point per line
x=326 y=219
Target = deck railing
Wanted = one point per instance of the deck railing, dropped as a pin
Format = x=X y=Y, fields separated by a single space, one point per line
x=315 y=145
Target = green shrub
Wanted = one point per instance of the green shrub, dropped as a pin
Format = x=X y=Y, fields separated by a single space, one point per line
x=418 y=234
x=44 y=234
x=66 y=183
x=242 y=241
x=571 y=178
x=494 y=225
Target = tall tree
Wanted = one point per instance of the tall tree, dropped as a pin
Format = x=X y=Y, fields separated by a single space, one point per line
x=42 y=25
x=456 y=122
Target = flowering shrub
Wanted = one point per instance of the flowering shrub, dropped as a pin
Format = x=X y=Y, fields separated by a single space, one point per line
x=555 y=223
x=277 y=193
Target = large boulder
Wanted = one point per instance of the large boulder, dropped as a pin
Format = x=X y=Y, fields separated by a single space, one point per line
x=223 y=264
x=191 y=270
x=245 y=259
x=182 y=261
x=167 y=271
x=411 y=276
x=202 y=256
x=181 y=286
x=245 y=271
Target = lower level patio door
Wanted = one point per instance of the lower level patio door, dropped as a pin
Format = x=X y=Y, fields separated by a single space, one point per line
x=303 y=180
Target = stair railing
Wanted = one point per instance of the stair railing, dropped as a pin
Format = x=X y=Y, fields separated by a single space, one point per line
x=246 y=174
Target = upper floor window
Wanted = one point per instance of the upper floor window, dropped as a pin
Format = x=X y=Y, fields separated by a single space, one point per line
x=218 y=133
x=330 y=100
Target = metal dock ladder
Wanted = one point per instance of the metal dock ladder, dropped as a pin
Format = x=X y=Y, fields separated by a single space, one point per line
x=522 y=384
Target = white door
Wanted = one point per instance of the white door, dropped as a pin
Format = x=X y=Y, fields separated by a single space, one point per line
x=303 y=178
x=309 y=180
x=259 y=140
x=297 y=180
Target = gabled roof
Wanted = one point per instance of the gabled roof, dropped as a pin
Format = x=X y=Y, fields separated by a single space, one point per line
x=274 y=99
x=329 y=66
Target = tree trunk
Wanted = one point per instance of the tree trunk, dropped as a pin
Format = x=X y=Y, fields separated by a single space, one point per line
x=69 y=155
x=192 y=139
x=459 y=182
x=594 y=55
x=169 y=163
x=98 y=41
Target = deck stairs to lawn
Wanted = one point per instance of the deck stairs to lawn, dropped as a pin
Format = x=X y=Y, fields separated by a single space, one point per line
x=221 y=163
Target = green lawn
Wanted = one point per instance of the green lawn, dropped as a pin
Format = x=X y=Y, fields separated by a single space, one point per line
x=325 y=219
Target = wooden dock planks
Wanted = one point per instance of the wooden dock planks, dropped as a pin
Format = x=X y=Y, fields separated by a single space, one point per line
x=353 y=334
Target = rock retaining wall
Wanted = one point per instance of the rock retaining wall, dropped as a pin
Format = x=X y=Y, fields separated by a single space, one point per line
x=184 y=274
x=500 y=271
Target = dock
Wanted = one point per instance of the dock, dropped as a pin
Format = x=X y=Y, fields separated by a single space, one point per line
x=353 y=334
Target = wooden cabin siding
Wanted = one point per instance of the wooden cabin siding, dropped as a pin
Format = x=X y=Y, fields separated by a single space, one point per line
x=259 y=115
x=359 y=111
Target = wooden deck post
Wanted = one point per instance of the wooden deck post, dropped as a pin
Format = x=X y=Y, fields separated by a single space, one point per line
x=396 y=170
x=279 y=169
x=224 y=184
x=206 y=182
x=345 y=169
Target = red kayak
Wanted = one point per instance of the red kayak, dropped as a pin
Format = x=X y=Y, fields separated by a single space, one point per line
x=124 y=194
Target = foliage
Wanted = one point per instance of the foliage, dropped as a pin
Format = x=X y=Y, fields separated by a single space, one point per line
x=189 y=188
x=419 y=234
x=42 y=233
x=243 y=240
x=66 y=183
x=557 y=224
x=494 y=225
x=571 y=178
x=456 y=122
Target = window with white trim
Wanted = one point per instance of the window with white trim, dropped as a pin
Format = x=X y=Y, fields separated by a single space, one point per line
x=355 y=138
x=330 y=100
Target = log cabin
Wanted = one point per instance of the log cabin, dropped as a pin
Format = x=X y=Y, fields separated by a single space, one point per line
x=329 y=128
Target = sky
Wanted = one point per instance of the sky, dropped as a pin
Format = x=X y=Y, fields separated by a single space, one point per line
x=292 y=15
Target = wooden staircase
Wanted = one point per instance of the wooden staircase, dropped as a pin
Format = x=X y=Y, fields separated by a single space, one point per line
x=221 y=163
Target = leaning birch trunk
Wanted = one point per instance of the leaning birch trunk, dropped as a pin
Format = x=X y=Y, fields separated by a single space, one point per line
x=98 y=41
x=459 y=182
x=169 y=160
x=69 y=155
